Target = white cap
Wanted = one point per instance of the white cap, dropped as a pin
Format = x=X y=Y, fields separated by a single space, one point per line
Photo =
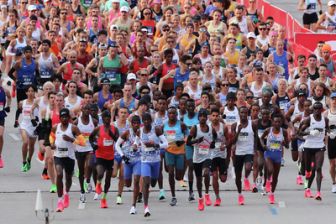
x=32 y=7
x=330 y=3
x=251 y=35
x=124 y=9
x=114 y=27
x=131 y=76
x=46 y=1
x=115 y=1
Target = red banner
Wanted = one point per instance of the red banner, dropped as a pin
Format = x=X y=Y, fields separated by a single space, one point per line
x=310 y=40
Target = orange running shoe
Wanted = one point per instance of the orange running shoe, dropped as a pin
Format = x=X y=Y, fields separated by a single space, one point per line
x=45 y=176
x=271 y=198
x=308 y=193
x=247 y=186
x=241 y=200
x=218 y=202
x=98 y=188
x=103 y=203
x=200 y=204
x=66 y=200
x=318 y=196
x=60 y=206
x=40 y=156
x=208 y=201
x=268 y=186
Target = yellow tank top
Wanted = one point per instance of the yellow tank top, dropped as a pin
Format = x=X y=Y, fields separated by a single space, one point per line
x=184 y=41
x=232 y=58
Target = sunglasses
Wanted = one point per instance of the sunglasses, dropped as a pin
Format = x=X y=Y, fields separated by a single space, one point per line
x=165 y=30
x=225 y=84
x=147 y=13
x=262 y=28
x=146 y=92
x=249 y=97
x=143 y=74
x=24 y=2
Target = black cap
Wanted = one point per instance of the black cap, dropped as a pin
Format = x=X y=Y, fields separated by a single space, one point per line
x=27 y=48
x=64 y=112
x=196 y=18
x=105 y=81
x=113 y=44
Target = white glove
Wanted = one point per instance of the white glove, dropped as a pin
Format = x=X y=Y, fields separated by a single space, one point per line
x=314 y=132
x=331 y=135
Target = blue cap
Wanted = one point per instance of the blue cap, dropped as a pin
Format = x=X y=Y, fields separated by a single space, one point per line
x=113 y=44
x=333 y=95
x=205 y=44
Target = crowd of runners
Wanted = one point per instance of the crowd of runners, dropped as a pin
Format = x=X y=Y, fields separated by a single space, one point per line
x=131 y=90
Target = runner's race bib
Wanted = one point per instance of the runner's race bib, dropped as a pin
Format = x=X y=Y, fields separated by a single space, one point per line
x=63 y=152
x=108 y=142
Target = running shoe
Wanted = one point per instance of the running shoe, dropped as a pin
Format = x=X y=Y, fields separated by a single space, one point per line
x=96 y=197
x=162 y=195
x=233 y=173
x=103 y=203
x=271 y=198
x=308 y=193
x=1 y=163
x=254 y=188
x=45 y=174
x=88 y=188
x=133 y=210
x=333 y=188
x=247 y=185
x=241 y=200
x=308 y=174
x=139 y=200
x=40 y=156
x=182 y=183
x=200 y=204
x=28 y=164
x=16 y=124
x=208 y=201
x=60 y=206
x=82 y=198
x=299 y=180
x=173 y=202
x=318 y=196
x=268 y=186
x=218 y=202
x=191 y=196
x=262 y=191
x=282 y=162
x=24 y=167
x=98 y=188
x=259 y=182
x=53 y=188
x=119 y=200
x=66 y=200
x=147 y=213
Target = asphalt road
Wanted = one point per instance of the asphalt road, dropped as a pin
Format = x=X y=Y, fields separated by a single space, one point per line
x=18 y=194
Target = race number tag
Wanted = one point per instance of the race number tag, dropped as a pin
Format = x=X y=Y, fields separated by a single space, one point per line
x=171 y=136
x=243 y=136
x=149 y=149
x=108 y=142
x=62 y=152
x=203 y=149
x=1 y=106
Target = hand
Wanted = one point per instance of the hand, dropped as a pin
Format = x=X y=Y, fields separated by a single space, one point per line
x=53 y=147
x=200 y=140
x=126 y=159
x=94 y=146
x=7 y=109
x=179 y=143
x=330 y=28
x=212 y=145
x=34 y=122
x=240 y=126
x=67 y=138
x=150 y=144
x=222 y=147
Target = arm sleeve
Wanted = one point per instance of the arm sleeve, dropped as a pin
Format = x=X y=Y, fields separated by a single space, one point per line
x=117 y=146
x=163 y=142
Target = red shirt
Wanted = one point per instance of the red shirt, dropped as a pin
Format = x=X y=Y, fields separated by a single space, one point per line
x=105 y=144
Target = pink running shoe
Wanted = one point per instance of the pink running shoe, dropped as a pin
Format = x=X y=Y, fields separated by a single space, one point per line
x=208 y=201
x=103 y=203
x=1 y=163
x=318 y=196
x=299 y=180
x=66 y=200
x=308 y=193
x=271 y=198
x=241 y=200
x=268 y=186
x=218 y=202
x=60 y=206
x=200 y=204
x=247 y=186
